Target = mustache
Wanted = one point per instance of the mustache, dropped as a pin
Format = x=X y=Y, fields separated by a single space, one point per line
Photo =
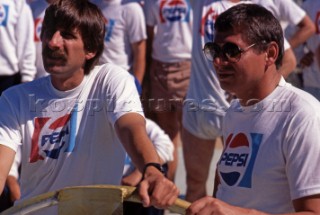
x=47 y=52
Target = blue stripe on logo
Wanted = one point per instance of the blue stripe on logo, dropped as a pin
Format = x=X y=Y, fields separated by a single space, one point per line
x=246 y=180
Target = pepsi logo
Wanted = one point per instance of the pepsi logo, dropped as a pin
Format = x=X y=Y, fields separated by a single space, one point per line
x=174 y=10
x=237 y=160
x=37 y=29
x=110 y=24
x=49 y=137
x=207 y=24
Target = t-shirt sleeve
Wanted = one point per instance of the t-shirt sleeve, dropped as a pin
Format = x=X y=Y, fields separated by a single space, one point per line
x=136 y=25
x=291 y=12
x=302 y=158
x=9 y=125
x=160 y=140
x=122 y=95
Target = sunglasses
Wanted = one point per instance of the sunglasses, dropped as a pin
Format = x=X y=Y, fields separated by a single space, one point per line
x=229 y=51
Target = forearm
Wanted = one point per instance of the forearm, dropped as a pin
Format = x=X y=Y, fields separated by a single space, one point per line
x=13 y=185
x=306 y=30
x=288 y=63
x=132 y=133
x=6 y=160
x=139 y=64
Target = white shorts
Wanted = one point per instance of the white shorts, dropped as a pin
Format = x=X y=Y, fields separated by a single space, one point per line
x=203 y=124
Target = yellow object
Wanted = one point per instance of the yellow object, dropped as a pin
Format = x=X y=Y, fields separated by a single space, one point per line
x=82 y=200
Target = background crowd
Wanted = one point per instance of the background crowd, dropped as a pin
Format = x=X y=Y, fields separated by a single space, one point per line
x=160 y=42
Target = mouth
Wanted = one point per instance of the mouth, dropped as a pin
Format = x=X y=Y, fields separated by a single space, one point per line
x=224 y=74
x=53 y=55
x=54 y=58
x=50 y=61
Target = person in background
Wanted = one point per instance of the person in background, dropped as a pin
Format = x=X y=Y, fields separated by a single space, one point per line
x=17 y=52
x=269 y=164
x=310 y=61
x=169 y=30
x=38 y=8
x=205 y=103
x=125 y=39
x=80 y=115
x=290 y=14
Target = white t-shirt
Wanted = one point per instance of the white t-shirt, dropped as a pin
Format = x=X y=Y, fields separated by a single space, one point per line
x=161 y=142
x=61 y=148
x=125 y=25
x=38 y=8
x=311 y=74
x=173 y=23
x=286 y=11
x=271 y=151
x=17 y=53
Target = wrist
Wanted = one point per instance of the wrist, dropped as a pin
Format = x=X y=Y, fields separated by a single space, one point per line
x=158 y=166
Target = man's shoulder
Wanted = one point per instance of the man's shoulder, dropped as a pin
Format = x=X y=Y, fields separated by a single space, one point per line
x=301 y=101
x=109 y=71
x=108 y=68
x=28 y=86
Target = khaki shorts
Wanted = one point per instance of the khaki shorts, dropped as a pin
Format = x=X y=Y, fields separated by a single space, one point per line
x=169 y=84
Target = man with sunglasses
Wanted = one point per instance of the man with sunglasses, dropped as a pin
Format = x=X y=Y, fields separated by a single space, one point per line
x=205 y=103
x=269 y=164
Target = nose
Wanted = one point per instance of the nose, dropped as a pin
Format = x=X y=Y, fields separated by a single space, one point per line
x=54 y=41
x=220 y=60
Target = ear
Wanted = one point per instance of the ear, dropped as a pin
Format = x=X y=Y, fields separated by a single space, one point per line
x=90 y=55
x=272 y=53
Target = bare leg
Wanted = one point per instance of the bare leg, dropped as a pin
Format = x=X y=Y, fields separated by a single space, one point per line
x=170 y=122
x=197 y=155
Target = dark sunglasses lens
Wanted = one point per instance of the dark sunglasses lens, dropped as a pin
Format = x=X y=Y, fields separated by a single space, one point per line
x=208 y=51
x=211 y=50
x=231 y=50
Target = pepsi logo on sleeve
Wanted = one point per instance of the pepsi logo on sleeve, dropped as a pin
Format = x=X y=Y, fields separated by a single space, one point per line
x=4 y=12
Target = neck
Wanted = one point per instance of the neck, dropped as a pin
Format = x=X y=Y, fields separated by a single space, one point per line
x=63 y=83
x=260 y=91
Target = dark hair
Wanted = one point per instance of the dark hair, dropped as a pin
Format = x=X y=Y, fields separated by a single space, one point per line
x=256 y=25
x=83 y=16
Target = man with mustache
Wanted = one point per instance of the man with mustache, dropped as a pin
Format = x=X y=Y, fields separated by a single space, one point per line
x=74 y=125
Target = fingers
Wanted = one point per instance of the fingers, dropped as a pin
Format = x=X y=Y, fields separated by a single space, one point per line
x=158 y=191
x=143 y=193
x=307 y=59
x=203 y=206
x=164 y=194
x=14 y=188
